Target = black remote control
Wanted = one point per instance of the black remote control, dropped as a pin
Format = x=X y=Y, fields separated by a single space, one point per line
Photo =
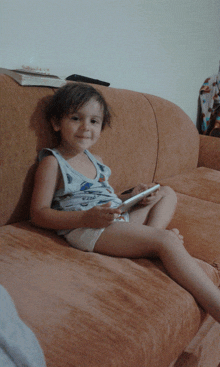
x=85 y=79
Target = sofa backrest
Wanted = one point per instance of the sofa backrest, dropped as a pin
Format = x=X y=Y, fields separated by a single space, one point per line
x=178 y=139
x=150 y=139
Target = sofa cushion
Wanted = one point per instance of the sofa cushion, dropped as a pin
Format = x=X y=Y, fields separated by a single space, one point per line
x=21 y=110
x=197 y=214
x=203 y=350
x=202 y=183
x=129 y=147
x=92 y=310
x=198 y=221
x=209 y=152
x=178 y=139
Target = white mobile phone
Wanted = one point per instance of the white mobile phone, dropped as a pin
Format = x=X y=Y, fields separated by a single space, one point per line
x=135 y=199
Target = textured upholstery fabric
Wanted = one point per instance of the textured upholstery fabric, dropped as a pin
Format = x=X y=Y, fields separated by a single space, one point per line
x=198 y=211
x=203 y=350
x=91 y=310
x=88 y=307
x=202 y=183
x=178 y=139
x=19 y=144
x=129 y=147
x=209 y=152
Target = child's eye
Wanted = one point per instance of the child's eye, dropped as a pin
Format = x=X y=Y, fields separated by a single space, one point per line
x=96 y=121
x=75 y=118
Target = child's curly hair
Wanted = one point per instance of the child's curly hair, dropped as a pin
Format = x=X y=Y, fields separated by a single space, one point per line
x=70 y=98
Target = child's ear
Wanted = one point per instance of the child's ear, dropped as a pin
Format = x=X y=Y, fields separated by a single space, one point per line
x=55 y=124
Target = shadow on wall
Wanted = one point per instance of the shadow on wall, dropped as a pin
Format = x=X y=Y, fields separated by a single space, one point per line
x=42 y=128
x=45 y=138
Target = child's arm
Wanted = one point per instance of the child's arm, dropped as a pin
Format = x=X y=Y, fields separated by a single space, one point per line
x=42 y=215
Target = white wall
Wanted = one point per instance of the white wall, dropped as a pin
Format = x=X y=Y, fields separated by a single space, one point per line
x=162 y=47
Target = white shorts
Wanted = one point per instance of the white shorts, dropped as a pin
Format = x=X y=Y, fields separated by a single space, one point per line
x=85 y=238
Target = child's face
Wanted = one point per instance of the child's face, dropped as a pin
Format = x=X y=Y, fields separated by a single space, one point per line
x=80 y=130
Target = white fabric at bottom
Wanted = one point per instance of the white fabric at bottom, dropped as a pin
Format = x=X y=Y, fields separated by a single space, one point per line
x=19 y=346
x=84 y=238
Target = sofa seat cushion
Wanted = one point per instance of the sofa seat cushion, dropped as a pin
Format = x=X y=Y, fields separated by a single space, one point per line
x=198 y=221
x=203 y=350
x=202 y=183
x=92 y=310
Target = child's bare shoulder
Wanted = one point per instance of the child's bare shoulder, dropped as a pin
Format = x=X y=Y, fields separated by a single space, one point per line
x=49 y=159
x=48 y=172
x=48 y=164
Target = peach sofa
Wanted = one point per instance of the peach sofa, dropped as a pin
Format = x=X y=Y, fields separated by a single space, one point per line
x=97 y=311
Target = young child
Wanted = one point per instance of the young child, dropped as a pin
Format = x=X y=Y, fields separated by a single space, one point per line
x=72 y=196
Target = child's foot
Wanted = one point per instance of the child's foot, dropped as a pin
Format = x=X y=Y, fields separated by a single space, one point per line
x=177 y=233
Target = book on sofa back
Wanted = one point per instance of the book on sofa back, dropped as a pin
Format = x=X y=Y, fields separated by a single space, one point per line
x=24 y=77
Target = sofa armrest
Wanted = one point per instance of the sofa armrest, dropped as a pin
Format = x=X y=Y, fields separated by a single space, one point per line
x=209 y=152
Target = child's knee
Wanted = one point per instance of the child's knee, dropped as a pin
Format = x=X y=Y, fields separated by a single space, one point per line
x=166 y=191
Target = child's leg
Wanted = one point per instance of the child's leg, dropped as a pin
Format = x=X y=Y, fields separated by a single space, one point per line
x=158 y=214
x=135 y=241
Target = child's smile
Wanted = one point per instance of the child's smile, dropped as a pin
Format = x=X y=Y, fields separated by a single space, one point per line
x=81 y=129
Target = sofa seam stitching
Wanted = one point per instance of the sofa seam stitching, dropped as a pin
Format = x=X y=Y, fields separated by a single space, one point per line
x=157 y=155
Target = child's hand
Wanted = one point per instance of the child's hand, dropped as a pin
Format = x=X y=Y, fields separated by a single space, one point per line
x=148 y=199
x=101 y=216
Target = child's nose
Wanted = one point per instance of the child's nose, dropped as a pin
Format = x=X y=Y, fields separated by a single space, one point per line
x=85 y=125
